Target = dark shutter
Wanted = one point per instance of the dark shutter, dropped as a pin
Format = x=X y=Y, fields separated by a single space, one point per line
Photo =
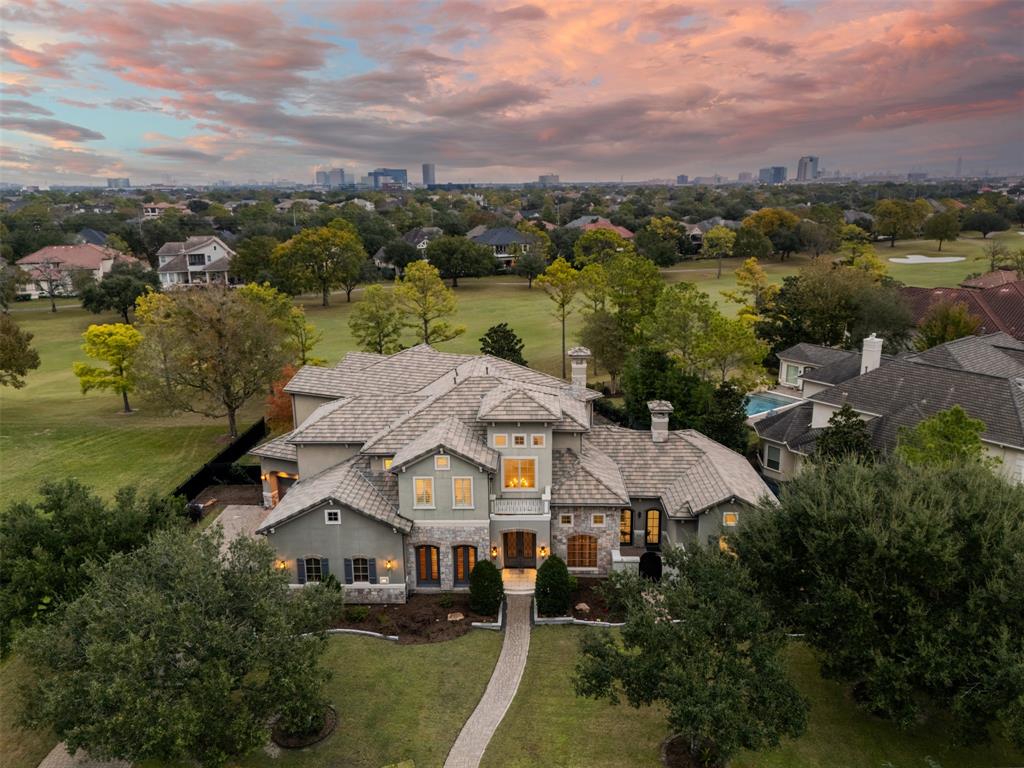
x=300 y=566
x=372 y=563
x=325 y=569
x=348 y=571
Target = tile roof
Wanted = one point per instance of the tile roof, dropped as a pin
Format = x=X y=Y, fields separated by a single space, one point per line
x=83 y=255
x=989 y=279
x=352 y=420
x=514 y=402
x=502 y=236
x=840 y=370
x=999 y=307
x=277 y=448
x=791 y=427
x=455 y=438
x=350 y=483
x=587 y=479
x=997 y=354
x=815 y=354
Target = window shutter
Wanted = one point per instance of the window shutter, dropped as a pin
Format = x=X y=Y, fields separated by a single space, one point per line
x=372 y=562
x=301 y=567
x=325 y=569
x=348 y=570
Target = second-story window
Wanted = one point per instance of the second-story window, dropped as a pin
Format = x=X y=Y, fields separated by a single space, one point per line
x=519 y=474
x=519 y=440
x=442 y=463
x=501 y=441
x=424 y=487
x=462 y=492
x=196 y=259
x=537 y=441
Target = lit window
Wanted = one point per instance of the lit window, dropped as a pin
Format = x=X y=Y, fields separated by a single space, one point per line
x=519 y=474
x=519 y=440
x=465 y=560
x=626 y=526
x=653 y=526
x=501 y=441
x=332 y=516
x=442 y=463
x=582 y=552
x=772 y=457
x=428 y=567
x=730 y=519
x=565 y=519
x=360 y=569
x=597 y=520
x=388 y=461
x=537 y=441
x=424 y=487
x=462 y=492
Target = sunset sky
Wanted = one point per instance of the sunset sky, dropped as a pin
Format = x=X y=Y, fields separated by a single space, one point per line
x=502 y=91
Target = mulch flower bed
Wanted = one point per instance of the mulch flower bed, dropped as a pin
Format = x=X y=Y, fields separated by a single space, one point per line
x=422 y=619
x=587 y=591
x=289 y=741
x=231 y=494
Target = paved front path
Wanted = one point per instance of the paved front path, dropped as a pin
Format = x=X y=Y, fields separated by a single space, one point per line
x=239 y=520
x=59 y=758
x=476 y=734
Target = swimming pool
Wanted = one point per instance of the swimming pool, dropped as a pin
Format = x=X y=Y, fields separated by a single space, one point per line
x=760 y=402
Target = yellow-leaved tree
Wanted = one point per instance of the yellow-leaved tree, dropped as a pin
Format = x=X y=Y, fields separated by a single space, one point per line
x=114 y=344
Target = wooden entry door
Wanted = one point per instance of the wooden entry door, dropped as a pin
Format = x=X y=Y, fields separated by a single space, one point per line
x=520 y=549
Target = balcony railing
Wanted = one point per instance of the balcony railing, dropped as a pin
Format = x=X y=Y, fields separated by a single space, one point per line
x=521 y=506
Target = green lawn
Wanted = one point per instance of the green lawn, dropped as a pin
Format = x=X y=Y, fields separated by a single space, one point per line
x=548 y=725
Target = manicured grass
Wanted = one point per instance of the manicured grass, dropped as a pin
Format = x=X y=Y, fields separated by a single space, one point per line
x=548 y=724
x=18 y=748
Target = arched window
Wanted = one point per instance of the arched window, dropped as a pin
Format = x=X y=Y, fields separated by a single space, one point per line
x=582 y=551
x=464 y=558
x=626 y=526
x=428 y=566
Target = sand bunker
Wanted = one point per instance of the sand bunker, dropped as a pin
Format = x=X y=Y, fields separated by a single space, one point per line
x=916 y=258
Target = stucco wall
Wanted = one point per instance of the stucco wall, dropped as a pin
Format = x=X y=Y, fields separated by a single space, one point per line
x=303 y=405
x=543 y=456
x=443 y=492
x=573 y=440
x=316 y=458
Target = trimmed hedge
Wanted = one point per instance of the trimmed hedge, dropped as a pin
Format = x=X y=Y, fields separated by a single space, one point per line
x=553 y=590
x=486 y=590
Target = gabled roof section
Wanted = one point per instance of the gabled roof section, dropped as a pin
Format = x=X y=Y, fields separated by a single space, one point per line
x=588 y=478
x=514 y=402
x=997 y=354
x=317 y=381
x=350 y=484
x=351 y=420
x=277 y=448
x=816 y=354
x=452 y=436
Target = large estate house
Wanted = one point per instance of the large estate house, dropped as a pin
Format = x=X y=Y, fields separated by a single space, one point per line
x=51 y=270
x=402 y=471
x=199 y=260
x=984 y=375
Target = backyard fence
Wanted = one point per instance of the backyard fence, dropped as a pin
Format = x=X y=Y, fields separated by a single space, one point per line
x=222 y=467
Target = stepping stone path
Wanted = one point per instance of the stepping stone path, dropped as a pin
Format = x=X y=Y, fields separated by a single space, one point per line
x=476 y=734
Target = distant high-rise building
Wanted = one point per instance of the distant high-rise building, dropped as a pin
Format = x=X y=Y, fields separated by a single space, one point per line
x=336 y=177
x=321 y=178
x=746 y=176
x=548 y=180
x=121 y=183
x=807 y=168
x=917 y=176
x=959 y=167
x=382 y=176
x=429 y=175
x=774 y=175
x=682 y=178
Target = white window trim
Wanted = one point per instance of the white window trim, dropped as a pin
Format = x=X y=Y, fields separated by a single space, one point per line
x=516 y=436
x=447 y=458
x=733 y=524
x=500 y=434
x=433 y=498
x=594 y=522
x=767 y=447
x=327 y=516
x=354 y=579
x=541 y=444
x=505 y=489
x=563 y=515
x=471 y=504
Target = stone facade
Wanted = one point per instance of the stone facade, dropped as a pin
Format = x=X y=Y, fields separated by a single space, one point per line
x=445 y=538
x=583 y=523
x=362 y=594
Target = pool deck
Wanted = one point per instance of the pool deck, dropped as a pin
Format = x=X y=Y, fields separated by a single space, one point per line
x=791 y=398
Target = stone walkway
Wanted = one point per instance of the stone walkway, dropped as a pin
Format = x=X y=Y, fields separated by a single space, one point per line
x=476 y=734
x=59 y=758
x=239 y=520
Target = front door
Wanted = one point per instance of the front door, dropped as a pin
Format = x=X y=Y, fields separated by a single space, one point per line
x=653 y=534
x=520 y=549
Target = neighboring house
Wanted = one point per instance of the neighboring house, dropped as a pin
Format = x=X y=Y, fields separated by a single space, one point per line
x=52 y=269
x=851 y=216
x=200 y=260
x=419 y=238
x=717 y=221
x=404 y=470
x=366 y=205
x=309 y=204
x=587 y=223
x=155 y=210
x=984 y=375
x=506 y=243
x=476 y=231
x=996 y=299
x=91 y=236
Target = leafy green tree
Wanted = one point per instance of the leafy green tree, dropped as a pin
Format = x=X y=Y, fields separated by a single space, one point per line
x=11 y=277
x=634 y=285
x=486 y=590
x=945 y=321
x=456 y=257
x=118 y=243
x=377 y=321
x=209 y=351
x=894 y=572
x=717 y=244
x=753 y=291
x=594 y=287
x=599 y=246
x=724 y=420
x=845 y=437
x=751 y=244
x=115 y=345
x=659 y=241
x=768 y=221
x=818 y=238
x=553 y=590
x=562 y=282
x=119 y=288
x=897 y=219
x=324 y=258
x=244 y=647
x=604 y=336
x=985 y=222
x=702 y=644
x=530 y=265
x=948 y=437
x=501 y=341
x=650 y=374
x=942 y=227
x=255 y=262
x=17 y=355
x=427 y=303
x=401 y=254
x=48 y=541
x=302 y=335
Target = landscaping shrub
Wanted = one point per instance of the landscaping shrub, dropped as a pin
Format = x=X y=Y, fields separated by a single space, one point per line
x=485 y=588
x=446 y=600
x=553 y=591
x=356 y=613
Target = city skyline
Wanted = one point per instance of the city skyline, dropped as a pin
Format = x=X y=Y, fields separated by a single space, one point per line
x=506 y=92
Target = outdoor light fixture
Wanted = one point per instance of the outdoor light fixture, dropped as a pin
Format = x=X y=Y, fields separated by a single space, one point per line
x=389 y=564
x=494 y=551
x=281 y=565
x=543 y=551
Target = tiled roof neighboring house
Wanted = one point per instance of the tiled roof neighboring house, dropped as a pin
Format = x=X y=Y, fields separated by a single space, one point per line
x=839 y=370
x=92 y=236
x=508 y=402
x=81 y=256
x=992 y=279
x=587 y=223
x=999 y=307
x=502 y=236
x=590 y=478
x=455 y=438
x=815 y=354
x=422 y=235
x=277 y=448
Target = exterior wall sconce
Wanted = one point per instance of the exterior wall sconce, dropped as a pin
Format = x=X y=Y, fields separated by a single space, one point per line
x=389 y=564
x=281 y=564
x=543 y=551
x=494 y=552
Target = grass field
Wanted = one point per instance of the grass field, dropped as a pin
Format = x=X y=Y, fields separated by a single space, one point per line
x=548 y=725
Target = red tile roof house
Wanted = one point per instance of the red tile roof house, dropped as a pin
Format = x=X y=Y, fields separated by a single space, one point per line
x=587 y=223
x=51 y=269
x=996 y=298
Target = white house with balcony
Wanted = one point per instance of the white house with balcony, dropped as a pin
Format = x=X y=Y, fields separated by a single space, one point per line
x=403 y=471
x=199 y=260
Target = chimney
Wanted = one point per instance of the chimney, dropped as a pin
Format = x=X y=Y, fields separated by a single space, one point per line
x=871 y=354
x=579 y=357
x=660 y=411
